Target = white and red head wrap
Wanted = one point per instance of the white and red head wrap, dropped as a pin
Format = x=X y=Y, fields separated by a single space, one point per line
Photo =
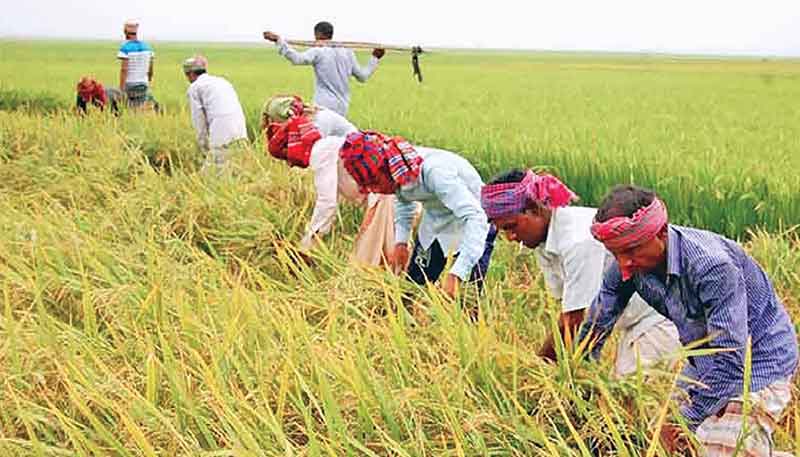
x=628 y=232
x=509 y=198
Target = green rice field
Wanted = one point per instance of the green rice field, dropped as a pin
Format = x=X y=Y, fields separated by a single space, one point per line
x=149 y=310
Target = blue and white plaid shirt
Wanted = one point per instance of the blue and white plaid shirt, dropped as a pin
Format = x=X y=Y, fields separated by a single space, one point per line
x=714 y=290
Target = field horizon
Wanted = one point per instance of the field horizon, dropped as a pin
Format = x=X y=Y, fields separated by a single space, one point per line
x=148 y=309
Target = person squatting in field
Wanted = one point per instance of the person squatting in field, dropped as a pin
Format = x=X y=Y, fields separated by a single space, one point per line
x=534 y=209
x=91 y=92
x=310 y=136
x=717 y=296
x=136 y=68
x=447 y=186
x=217 y=115
x=333 y=67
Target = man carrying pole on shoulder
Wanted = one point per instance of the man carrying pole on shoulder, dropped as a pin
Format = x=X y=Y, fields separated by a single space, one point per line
x=333 y=67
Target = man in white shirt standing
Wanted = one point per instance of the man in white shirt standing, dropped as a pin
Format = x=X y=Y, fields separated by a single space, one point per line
x=333 y=67
x=533 y=209
x=217 y=115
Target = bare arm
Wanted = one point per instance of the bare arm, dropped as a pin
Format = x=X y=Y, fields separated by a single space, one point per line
x=568 y=325
x=123 y=74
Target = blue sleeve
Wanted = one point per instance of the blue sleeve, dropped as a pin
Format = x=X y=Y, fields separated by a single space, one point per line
x=454 y=194
x=721 y=291
x=403 y=219
x=606 y=308
x=123 y=51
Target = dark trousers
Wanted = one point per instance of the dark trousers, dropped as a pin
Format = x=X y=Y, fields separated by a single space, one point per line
x=427 y=265
x=113 y=95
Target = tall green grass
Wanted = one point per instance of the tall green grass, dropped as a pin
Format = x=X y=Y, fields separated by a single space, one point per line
x=146 y=313
x=717 y=138
x=20 y=100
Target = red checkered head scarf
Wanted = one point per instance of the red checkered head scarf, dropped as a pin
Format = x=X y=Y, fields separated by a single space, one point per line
x=90 y=90
x=290 y=130
x=379 y=163
x=505 y=199
x=628 y=232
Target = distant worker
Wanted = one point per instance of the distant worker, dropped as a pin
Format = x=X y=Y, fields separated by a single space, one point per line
x=333 y=67
x=136 y=68
x=217 y=115
x=91 y=92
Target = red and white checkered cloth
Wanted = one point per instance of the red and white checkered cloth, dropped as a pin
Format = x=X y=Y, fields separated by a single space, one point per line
x=719 y=435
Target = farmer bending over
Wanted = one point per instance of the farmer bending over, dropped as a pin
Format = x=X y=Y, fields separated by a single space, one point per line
x=310 y=136
x=710 y=289
x=217 y=116
x=533 y=209
x=448 y=188
x=92 y=93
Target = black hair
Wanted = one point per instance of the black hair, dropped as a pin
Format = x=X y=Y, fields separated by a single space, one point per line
x=324 y=30
x=624 y=201
x=510 y=176
x=198 y=72
x=515 y=175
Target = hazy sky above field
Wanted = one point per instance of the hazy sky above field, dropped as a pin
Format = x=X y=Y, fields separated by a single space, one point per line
x=694 y=26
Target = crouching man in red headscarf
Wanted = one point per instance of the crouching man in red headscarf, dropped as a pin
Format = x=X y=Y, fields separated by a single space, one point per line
x=92 y=93
x=306 y=135
x=534 y=209
x=719 y=298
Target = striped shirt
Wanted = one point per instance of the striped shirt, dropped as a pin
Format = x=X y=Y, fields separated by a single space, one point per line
x=713 y=290
x=139 y=55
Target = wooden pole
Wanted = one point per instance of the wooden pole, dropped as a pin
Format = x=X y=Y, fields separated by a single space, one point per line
x=348 y=44
x=414 y=50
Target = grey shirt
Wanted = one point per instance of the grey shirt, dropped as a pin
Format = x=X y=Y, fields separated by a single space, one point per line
x=332 y=70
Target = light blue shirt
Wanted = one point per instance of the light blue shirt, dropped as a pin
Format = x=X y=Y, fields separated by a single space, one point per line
x=332 y=70
x=449 y=189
